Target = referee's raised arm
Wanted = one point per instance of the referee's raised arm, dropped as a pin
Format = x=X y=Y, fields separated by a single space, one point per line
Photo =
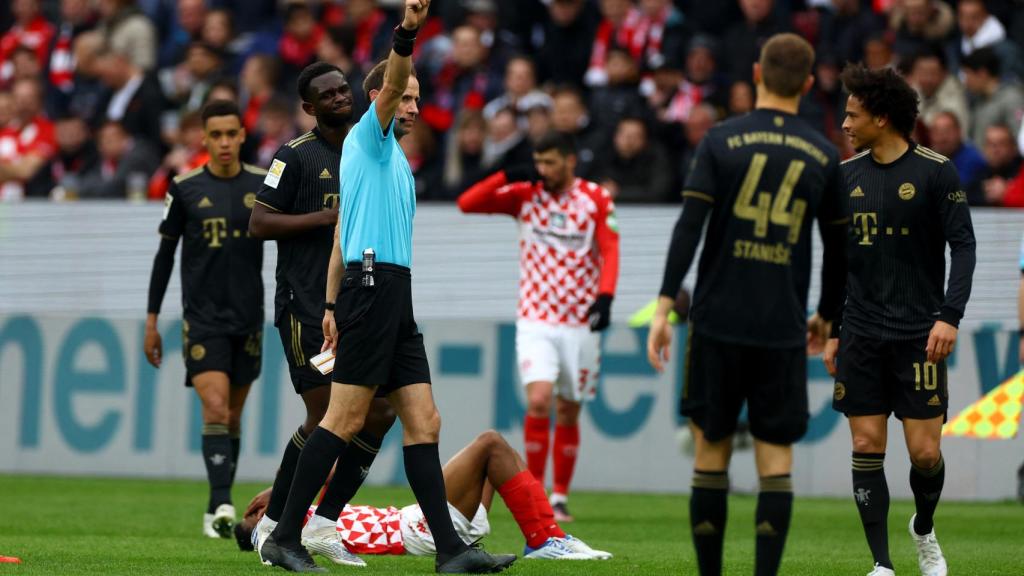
x=399 y=66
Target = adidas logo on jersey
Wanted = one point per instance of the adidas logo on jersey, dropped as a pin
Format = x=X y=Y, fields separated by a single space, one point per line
x=857 y=193
x=325 y=175
x=205 y=203
x=934 y=401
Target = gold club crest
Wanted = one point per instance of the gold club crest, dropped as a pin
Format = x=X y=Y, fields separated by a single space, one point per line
x=907 y=191
x=198 y=352
x=840 y=391
x=249 y=200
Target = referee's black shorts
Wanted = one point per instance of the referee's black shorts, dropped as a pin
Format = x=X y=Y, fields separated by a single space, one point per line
x=720 y=376
x=378 y=342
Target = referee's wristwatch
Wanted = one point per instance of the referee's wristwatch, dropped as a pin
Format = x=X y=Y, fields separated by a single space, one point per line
x=329 y=306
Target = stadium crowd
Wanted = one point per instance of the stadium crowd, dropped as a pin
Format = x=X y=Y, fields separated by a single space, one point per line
x=101 y=98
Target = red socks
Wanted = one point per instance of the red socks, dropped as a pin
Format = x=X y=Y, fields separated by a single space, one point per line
x=536 y=432
x=517 y=492
x=544 y=511
x=567 y=444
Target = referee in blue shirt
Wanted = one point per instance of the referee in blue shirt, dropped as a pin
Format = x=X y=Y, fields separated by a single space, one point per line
x=372 y=327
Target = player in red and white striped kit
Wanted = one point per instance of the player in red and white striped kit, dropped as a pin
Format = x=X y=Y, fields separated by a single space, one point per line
x=568 y=267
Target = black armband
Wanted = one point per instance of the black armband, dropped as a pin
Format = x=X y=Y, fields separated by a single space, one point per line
x=404 y=41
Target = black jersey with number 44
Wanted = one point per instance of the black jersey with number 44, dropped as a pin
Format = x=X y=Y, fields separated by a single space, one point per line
x=221 y=264
x=767 y=175
x=902 y=216
x=303 y=178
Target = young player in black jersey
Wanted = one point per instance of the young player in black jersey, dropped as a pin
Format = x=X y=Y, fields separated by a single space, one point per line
x=222 y=296
x=761 y=180
x=897 y=327
x=298 y=206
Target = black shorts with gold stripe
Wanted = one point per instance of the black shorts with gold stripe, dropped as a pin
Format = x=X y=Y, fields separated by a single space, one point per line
x=238 y=355
x=301 y=342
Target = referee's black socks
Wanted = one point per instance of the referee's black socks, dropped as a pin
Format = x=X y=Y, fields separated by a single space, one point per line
x=927 y=487
x=285 y=473
x=423 y=468
x=771 y=521
x=871 y=494
x=708 y=508
x=318 y=455
x=217 y=456
x=353 y=466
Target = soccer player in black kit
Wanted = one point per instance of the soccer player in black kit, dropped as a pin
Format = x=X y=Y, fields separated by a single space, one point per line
x=297 y=205
x=222 y=296
x=897 y=325
x=760 y=180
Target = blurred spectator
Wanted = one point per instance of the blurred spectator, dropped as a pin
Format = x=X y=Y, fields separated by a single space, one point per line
x=918 y=24
x=620 y=96
x=877 y=52
x=298 y=44
x=190 y=81
x=635 y=169
x=76 y=17
x=992 y=100
x=187 y=152
x=275 y=129
x=538 y=123
x=1002 y=164
x=569 y=115
x=250 y=15
x=128 y=31
x=521 y=93
x=420 y=149
x=700 y=121
x=744 y=39
x=946 y=139
x=27 y=144
x=223 y=89
x=219 y=31
x=88 y=95
x=619 y=22
x=938 y=89
x=702 y=70
x=464 y=80
x=6 y=109
x=259 y=80
x=24 y=65
x=980 y=29
x=825 y=105
x=463 y=163
x=741 y=98
x=30 y=30
x=506 y=144
x=373 y=29
x=844 y=28
x=710 y=17
x=185 y=28
x=124 y=162
x=336 y=47
x=483 y=15
x=662 y=32
x=135 y=100
x=564 y=42
x=76 y=155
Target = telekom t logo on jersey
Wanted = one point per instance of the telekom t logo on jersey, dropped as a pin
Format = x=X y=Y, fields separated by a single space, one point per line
x=866 y=224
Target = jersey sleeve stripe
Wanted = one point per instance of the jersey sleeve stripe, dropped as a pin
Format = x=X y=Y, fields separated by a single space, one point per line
x=182 y=177
x=254 y=169
x=698 y=195
x=856 y=156
x=926 y=153
x=268 y=206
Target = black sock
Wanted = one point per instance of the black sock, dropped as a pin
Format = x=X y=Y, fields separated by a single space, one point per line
x=285 y=473
x=774 y=508
x=318 y=455
x=353 y=466
x=871 y=493
x=217 y=457
x=236 y=446
x=708 y=509
x=423 y=468
x=927 y=487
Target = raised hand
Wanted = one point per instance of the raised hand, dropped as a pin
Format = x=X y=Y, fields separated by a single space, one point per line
x=415 y=14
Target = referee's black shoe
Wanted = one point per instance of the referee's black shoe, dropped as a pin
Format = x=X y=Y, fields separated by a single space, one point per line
x=476 y=561
x=291 y=559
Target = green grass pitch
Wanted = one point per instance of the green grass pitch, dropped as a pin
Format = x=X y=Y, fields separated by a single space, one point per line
x=140 y=527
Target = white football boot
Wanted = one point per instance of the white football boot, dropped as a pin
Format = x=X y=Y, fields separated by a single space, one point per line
x=576 y=545
x=320 y=536
x=882 y=571
x=222 y=521
x=929 y=555
x=553 y=549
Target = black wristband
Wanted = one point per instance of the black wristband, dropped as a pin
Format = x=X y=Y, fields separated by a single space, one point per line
x=404 y=41
x=329 y=305
x=1020 y=332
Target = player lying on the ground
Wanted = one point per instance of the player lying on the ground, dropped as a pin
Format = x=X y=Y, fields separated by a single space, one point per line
x=468 y=479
